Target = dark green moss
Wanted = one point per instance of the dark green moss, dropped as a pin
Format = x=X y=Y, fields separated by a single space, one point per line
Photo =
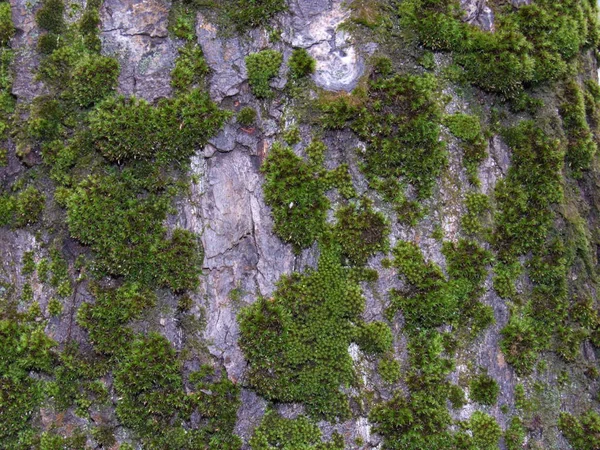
x=581 y=146
x=484 y=389
x=390 y=370
x=252 y=13
x=583 y=433
x=301 y=64
x=29 y=205
x=7 y=29
x=432 y=300
x=422 y=419
x=296 y=196
x=262 y=67
x=94 y=79
x=400 y=124
x=468 y=129
x=190 y=67
x=296 y=342
x=125 y=129
x=25 y=349
x=361 y=232
x=275 y=432
x=514 y=437
x=106 y=320
x=374 y=337
x=130 y=241
x=50 y=16
x=247 y=116
x=154 y=405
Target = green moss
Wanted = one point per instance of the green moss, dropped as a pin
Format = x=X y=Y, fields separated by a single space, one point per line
x=301 y=64
x=252 y=13
x=25 y=349
x=296 y=196
x=153 y=403
x=7 y=29
x=374 y=337
x=106 y=320
x=125 y=129
x=389 y=369
x=190 y=67
x=55 y=307
x=485 y=431
x=431 y=299
x=456 y=395
x=468 y=129
x=262 y=67
x=28 y=206
x=514 y=437
x=93 y=79
x=296 y=342
x=28 y=263
x=292 y=136
x=361 y=232
x=520 y=343
x=478 y=205
x=247 y=116
x=531 y=44
x=50 y=16
x=583 y=433
x=525 y=197
x=275 y=432
x=484 y=389
x=422 y=419
x=581 y=146
x=182 y=21
x=131 y=241
x=400 y=124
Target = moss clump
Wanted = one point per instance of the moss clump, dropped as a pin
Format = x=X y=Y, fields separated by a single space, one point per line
x=514 y=437
x=296 y=196
x=301 y=64
x=581 y=146
x=7 y=29
x=275 y=432
x=126 y=129
x=128 y=236
x=28 y=206
x=247 y=116
x=421 y=420
x=55 y=307
x=93 y=79
x=374 y=337
x=485 y=431
x=252 y=13
x=521 y=343
x=432 y=300
x=583 y=433
x=532 y=44
x=478 y=205
x=155 y=406
x=467 y=128
x=361 y=232
x=484 y=389
x=25 y=349
x=50 y=16
x=190 y=67
x=262 y=67
x=400 y=124
x=390 y=370
x=297 y=342
x=525 y=197
x=107 y=319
